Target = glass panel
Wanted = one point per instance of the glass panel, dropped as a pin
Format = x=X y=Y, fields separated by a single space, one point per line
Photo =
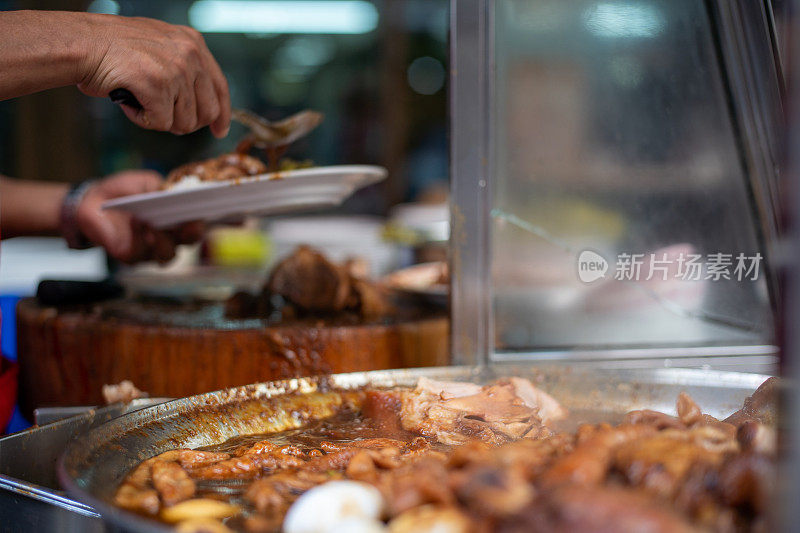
x=613 y=143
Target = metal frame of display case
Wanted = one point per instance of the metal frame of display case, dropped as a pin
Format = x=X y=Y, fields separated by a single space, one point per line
x=757 y=91
x=753 y=75
x=471 y=59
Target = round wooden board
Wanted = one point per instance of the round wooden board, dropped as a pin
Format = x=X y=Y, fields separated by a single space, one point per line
x=67 y=355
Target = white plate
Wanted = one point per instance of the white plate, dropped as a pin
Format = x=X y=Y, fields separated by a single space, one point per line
x=295 y=190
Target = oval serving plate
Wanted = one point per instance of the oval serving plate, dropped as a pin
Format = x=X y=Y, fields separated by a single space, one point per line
x=266 y=194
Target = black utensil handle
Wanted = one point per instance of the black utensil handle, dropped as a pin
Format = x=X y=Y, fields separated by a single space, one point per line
x=66 y=292
x=125 y=97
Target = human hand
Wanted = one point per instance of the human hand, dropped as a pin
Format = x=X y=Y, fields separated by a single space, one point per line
x=168 y=68
x=124 y=237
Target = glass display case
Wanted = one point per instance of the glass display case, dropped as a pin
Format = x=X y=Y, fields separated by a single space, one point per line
x=615 y=177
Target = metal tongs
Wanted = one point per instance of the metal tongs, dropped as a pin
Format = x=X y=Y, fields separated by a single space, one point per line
x=275 y=136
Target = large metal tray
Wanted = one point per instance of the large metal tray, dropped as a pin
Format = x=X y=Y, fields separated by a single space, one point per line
x=93 y=465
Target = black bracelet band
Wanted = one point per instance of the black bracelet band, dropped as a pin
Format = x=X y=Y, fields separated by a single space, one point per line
x=68 y=219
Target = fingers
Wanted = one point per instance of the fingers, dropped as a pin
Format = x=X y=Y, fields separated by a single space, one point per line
x=109 y=230
x=148 y=180
x=208 y=107
x=129 y=182
x=126 y=239
x=160 y=245
x=206 y=100
x=137 y=116
x=185 y=112
x=197 y=96
x=189 y=233
x=138 y=249
x=132 y=241
x=220 y=123
x=158 y=104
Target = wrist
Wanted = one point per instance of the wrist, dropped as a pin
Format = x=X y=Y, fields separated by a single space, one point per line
x=65 y=41
x=68 y=215
x=89 y=46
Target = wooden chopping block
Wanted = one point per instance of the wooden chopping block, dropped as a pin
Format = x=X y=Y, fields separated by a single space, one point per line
x=67 y=355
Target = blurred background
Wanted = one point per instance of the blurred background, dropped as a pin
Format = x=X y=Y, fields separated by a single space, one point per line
x=376 y=69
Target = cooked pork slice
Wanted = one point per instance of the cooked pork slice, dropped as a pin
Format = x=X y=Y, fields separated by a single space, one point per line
x=376 y=443
x=456 y=412
x=358 y=267
x=276 y=492
x=368 y=299
x=761 y=406
x=172 y=483
x=447 y=389
x=591 y=459
x=414 y=484
x=756 y=437
x=661 y=462
x=141 y=475
x=494 y=403
x=688 y=410
x=549 y=410
x=312 y=282
x=691 y=416
x=195 y=458
x=656 y=419
x=137 y=499
x=597 y=509
x=748 y=480
x=331 y=461
x=224 y=167
x=489 y=490
x=383 y=408
x=124 y=391
x=247 y=466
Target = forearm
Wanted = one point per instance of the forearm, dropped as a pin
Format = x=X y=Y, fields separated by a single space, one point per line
x=42 y=50
x=30 y=207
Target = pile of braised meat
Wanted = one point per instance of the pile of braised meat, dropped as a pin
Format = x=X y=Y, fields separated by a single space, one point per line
x=308 y=283
x=228 y=167
x=223 y=168
x=458 y=457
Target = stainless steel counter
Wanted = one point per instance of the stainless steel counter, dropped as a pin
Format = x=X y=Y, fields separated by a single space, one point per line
x=30 y=496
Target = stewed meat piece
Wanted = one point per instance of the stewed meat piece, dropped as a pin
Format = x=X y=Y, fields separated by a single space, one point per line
x=589 y=462
x=596 y=509
x=761 y=406
x=313 y=283
x=454 y=413
x=172 y=483
x=224 y=167
x=247 y=466
x=309 y=280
